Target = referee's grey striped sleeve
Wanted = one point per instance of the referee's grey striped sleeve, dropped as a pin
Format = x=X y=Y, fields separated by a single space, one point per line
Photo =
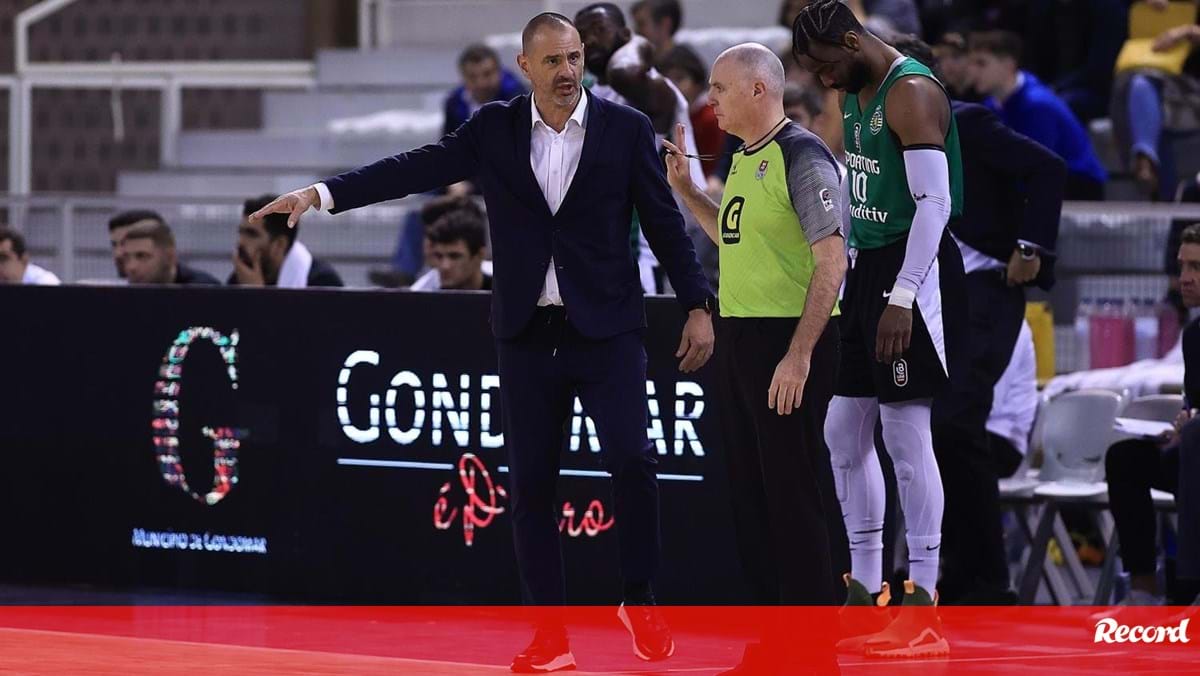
x=814 y=187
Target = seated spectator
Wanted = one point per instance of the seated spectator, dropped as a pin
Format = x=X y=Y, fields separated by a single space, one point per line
x=883 y=18
x=149 y=257
x=658 y=21
x=15 y=267
x=1014 y=407
x=1073 y=46
x=434 y=211
x=484 y=81
x=1153 y=97
x=120 y=224
x=683 y=66
x=1169 y=464
x=457 y=241
x=1033 y=109
x=268 y=253
x=816 y=108
x=954 y=67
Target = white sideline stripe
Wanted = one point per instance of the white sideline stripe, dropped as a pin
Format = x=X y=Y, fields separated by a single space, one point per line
x=503 y=469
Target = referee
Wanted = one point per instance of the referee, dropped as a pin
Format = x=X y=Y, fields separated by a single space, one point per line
x=782 y=259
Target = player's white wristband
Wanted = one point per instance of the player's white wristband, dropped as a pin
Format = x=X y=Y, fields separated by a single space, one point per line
x=902 y=297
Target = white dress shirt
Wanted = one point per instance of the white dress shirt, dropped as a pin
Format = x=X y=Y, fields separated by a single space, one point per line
x=554 y=157
x=1014 y=405
x=37 y=275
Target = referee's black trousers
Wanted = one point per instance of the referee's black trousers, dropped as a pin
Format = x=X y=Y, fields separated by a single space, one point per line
x=974 y=566
x=785 y=511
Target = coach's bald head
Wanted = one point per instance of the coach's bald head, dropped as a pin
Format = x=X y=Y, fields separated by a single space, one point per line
x=747 y=89
x=552 y=58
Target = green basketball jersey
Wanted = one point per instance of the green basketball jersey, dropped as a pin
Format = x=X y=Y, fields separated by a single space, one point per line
x=881 y=206
x=778 y=199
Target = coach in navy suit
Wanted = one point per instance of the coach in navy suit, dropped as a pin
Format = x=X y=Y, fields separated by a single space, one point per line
x=561 y=172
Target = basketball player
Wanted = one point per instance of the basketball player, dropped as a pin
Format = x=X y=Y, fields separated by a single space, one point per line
x=906 y=181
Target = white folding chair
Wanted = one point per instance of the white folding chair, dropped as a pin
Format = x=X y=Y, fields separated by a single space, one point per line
x=1076 y=431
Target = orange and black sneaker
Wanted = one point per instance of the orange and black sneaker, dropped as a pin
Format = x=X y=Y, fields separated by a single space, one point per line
x=863 y=615
x=916 y=631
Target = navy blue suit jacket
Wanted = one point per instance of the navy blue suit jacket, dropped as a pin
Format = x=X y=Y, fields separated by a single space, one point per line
x=619 y=169
x=1013 y=189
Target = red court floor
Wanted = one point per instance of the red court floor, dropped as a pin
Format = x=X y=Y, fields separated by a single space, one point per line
x=253 y=640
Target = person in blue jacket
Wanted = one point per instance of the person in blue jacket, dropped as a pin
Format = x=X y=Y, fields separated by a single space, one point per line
x=1031 y=108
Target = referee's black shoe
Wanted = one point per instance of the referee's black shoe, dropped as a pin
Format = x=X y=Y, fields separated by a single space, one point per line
x=651 y=636
x=549 y=651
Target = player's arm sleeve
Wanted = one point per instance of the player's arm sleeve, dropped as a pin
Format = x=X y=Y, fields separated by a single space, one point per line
x=814 y=188
x=929 y=182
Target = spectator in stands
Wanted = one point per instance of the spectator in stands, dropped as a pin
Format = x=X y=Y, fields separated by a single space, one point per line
x=954 y=67
x=683 y=67
x=268 y=253
x=1153 y=93
x=15 y=267
x=1007 y=233
x=1170 y=463
x=882 y=17
x=120 y=224
x=1034 y=110
x=484 y=81
x=457 y=241
x=1073 y=46
x=149 y=257
x=433 y=211
x=658 y=21
x=813 y=108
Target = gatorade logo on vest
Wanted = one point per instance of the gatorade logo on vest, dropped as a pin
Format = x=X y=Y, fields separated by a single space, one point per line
x=900 y=372
x=876 y=121
x=731 y=220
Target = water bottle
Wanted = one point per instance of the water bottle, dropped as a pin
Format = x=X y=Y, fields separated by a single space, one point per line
x=1145 y=329
x=1083 y=317
x=1110 y=335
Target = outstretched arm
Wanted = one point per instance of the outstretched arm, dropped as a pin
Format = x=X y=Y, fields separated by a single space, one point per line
x=450 y=160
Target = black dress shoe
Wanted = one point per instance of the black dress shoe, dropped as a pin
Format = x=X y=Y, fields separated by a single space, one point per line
x=651 y=636
x=549 y=651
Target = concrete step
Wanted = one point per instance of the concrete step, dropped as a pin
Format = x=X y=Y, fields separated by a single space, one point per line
x=408 y=66
x=459 y=22
x=301 y=153
x=213 y=183
x=313 y=111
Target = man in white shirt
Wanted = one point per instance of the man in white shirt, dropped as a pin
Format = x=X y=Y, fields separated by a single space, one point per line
x=15 y=267
x=1014 y=406
x=561 y=173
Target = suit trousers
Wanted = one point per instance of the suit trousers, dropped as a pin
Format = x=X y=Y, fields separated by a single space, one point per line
x=972 y=538
x=542 y=369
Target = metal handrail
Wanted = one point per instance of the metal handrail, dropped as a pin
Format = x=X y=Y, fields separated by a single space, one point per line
x=169 y=77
